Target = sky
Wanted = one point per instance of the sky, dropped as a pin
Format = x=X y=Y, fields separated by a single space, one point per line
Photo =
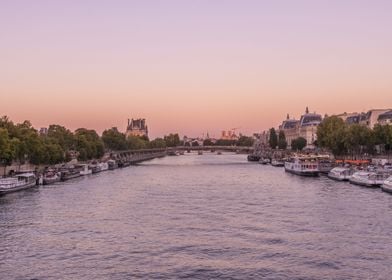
x=192 y=66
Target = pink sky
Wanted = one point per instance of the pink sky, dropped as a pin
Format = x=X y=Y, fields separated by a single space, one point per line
x=192 y=66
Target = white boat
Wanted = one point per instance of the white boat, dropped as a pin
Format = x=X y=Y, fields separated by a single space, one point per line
x=387 y=185
x=340 y=173
x=277 y=162
x=104 y=166
x=85 y=170
x=51 y=177
x=325 y=166
x=303 y=166
x=368 y=179
x=17 y=183
x=264 y=161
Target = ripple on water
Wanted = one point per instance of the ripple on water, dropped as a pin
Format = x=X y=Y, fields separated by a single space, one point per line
x=196 y=217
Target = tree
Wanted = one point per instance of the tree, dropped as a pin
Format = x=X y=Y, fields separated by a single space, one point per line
x=208 y=142
x=195 y=144
x=6 y=151
x=298 y=144
x=157 y=143
x=136 y=143
x=383 y=136
x=114 y=140
x=359 y=139
x=273 y=138
x=245 y=141
x=62 y=136
x=282 y=143
x=88 y=144
x=172 y=140
x=331 y=134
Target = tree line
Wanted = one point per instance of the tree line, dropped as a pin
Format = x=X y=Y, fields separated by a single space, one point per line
x=279 y=141
x=22 y=143
x=353 y=140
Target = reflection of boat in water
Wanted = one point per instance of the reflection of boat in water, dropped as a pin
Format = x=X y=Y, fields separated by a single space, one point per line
x=171 y=153
x=303 y=166
x=387 y=185
x=264 y=161
x=368 y=179
x=253 y=157
x=181 y=153
x=219 y=153
x=340 y=173
x=17 y=183
x=199 y=152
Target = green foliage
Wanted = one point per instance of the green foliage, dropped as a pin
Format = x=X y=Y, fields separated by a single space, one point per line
x=208 y=142
x=332 y=134
x=298 y=144
x=172 y=140
x=359 y=139
x=225 y=142
x=61 y=136
x=282 y=143
x=6 y=149
x=136 y=143
x=88 y=144
x=245 y=141
x=273 y=138
x=157 y=143
x=114 y=140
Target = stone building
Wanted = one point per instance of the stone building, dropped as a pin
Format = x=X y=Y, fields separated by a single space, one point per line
x=290 y=129
x=371 y=117
x=137 y=127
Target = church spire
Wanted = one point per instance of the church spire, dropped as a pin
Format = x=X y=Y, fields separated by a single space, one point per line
x=288 y=117
x=307 y=110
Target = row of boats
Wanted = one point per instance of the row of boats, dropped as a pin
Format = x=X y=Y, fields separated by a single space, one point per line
x=54 y=175
x=370 y=176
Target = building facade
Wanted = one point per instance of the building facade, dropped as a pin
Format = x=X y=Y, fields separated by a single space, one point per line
x=137 y=127
x=385 y=118
x=306 y=127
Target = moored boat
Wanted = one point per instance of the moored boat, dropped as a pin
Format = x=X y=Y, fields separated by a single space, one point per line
x=340 y=173
x=104 y=166
x=253 y=157
x=325 y=166
x=277 y=162
x=264 y=161
x=17 y=183
x=112 y=164
x=70 y=173
x=51 y=177
x=303 y=166
x=368 y=179
x=84 y=170
x=387 y=185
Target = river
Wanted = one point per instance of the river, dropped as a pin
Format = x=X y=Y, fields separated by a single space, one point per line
x=197 y=217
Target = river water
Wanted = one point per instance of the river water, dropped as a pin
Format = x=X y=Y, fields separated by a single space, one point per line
x=197 y=217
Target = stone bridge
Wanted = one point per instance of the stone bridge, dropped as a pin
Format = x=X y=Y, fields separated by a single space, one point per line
x=136 y=156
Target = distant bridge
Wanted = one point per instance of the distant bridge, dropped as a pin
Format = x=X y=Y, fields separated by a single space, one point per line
x=136 y=156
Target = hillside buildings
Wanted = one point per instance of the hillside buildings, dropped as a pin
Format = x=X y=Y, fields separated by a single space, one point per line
x=137 y=127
